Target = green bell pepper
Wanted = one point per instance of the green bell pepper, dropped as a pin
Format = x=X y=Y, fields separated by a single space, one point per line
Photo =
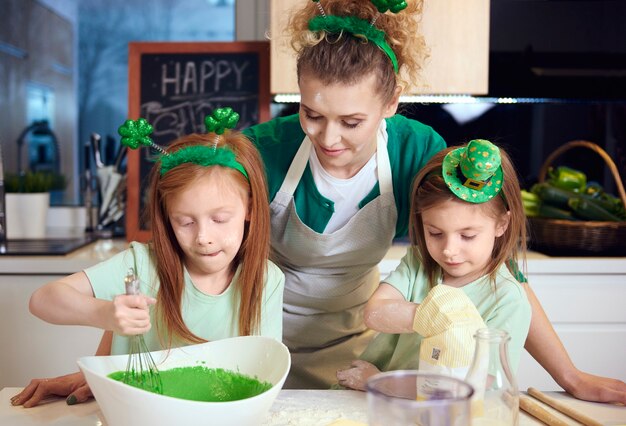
x=567 y=178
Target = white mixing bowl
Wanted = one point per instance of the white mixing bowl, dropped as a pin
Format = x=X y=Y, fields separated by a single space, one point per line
x=262 y=357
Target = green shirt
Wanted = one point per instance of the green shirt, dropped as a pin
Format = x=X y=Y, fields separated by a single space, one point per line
x=207 y=316
x=410 y=145
x=506 y=308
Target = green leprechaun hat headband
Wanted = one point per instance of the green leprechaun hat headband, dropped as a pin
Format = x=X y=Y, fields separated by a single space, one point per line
x=136 y=133
x=333 y=24
x=473 y=172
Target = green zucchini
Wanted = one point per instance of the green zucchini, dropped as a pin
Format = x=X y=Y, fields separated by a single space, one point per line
x=531 y=203
x=551 y=212
x=552 y=195
x=559 y=197
x=587 y=209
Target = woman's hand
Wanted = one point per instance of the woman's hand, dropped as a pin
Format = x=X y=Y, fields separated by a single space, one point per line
x=356 y=376
x=595 y=388
x=73 y=386
x=130 y=315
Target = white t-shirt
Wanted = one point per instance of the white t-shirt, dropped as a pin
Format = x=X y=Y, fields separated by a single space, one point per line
x=345 y=193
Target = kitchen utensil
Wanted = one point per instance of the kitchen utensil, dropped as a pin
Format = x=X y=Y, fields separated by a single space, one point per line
x=563 y=408
x=116 y=200
x=95 y=146
x=540 y=413
x=114 y=214
x=112 y=186
x=114 y=181
x=103 y=172
x=408 y=397
x=141 y=371
x=265 y=358
x=119 y=158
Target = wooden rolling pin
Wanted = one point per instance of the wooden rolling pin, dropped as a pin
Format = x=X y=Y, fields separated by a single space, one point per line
x=540 y=413
x=563 y=408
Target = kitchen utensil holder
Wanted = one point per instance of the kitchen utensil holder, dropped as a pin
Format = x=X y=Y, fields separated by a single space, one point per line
x=579 y=238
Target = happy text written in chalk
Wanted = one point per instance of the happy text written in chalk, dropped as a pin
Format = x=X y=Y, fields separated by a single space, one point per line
x=193 y=78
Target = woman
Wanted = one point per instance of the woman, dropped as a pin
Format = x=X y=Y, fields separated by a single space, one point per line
x=339 y=176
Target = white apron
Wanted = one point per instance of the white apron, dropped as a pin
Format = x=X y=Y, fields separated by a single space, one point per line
x=329 y=277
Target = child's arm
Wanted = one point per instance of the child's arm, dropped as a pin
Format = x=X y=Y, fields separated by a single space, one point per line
x=388 y=311
x=71 y=301
x=545 y=346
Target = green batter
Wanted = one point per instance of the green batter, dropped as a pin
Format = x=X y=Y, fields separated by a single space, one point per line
x=206 y=384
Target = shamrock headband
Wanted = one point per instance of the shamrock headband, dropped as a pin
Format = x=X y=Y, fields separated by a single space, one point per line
x=359 y=27
x=473 y=172
x=137 y=132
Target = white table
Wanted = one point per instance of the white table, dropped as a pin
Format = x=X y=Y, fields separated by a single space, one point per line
x=291 y=408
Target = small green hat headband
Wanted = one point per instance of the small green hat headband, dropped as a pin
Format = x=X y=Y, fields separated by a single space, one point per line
x=136 y=133
x=358 y=27
x=473 y=172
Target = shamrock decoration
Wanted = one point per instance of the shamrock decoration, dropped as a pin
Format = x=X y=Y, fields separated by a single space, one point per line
x=220 y=120
x=393 y=5
x=135 y=133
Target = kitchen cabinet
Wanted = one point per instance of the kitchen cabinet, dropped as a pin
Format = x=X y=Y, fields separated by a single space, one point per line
x=457 y=34
x=33 y=348
x=584 y=299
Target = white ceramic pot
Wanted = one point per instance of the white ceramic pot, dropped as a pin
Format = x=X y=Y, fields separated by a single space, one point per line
x=26 y=215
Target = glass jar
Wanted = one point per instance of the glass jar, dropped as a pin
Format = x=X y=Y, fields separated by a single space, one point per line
x=496 y=397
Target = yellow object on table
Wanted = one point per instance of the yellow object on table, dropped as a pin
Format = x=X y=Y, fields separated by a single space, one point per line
x=448 y=320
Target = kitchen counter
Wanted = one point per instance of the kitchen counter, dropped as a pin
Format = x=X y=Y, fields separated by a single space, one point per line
x=291 y=408
x=103 y=249
x=74 y=261
x=537 y=263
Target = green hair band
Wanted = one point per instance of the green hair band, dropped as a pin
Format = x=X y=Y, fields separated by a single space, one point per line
x=333 y=24
x=136 y=133
x=201 y=155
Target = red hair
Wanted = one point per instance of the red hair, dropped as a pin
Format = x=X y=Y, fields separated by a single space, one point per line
x=253 y=253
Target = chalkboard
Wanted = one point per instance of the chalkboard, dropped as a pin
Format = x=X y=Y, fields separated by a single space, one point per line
x=174 y=86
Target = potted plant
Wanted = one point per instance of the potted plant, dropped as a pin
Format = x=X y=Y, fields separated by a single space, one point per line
x=27 y=202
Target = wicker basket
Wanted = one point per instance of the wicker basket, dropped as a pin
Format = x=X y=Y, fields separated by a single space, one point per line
x=559 y=237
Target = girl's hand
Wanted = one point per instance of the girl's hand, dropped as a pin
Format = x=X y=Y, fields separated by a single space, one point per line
x=356 y=376
x=74 y=386
x=131 y=314
x=588 y=387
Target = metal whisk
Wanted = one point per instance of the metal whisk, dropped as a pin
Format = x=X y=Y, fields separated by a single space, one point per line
x=141 y=371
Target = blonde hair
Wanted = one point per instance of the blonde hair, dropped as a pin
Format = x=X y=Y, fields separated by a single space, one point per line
x=254 y=250
x=430 y=190
x=343 y=58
